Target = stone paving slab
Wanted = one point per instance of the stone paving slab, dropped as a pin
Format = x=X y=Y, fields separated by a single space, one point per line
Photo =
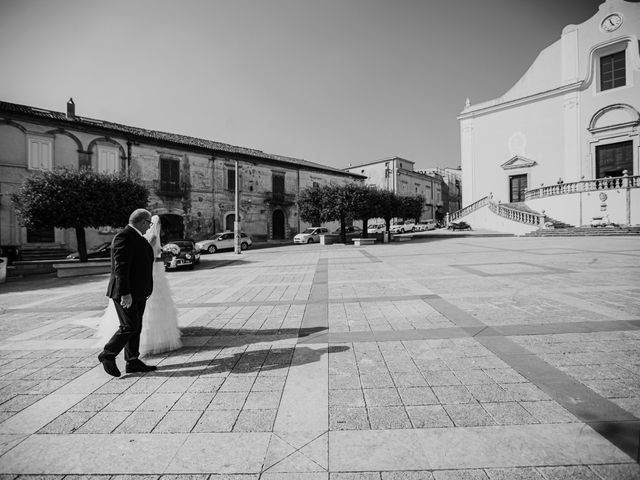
x=458 y=358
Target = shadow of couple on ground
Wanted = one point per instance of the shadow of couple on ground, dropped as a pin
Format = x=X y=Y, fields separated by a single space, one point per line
x=173 y=364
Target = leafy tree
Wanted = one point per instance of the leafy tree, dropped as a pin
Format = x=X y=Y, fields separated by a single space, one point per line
x=389 y=206
x=366 y=204
x=312 y=205
x=411 y=207
x=79 y=199
x=343 y=202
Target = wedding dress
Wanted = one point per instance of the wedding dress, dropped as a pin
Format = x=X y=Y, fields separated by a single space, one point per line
x=160 y=331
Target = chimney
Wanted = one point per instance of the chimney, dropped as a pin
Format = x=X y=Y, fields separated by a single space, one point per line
x=71 y=109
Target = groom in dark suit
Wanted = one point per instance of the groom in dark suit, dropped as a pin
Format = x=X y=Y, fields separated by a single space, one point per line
x=130 y=285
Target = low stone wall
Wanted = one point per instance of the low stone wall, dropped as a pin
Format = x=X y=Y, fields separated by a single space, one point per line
x=78 y=269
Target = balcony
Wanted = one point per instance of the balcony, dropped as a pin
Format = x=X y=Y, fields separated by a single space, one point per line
x=170 y=189
x=279 y=198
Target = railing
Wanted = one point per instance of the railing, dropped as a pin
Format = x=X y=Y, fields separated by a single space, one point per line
x=279 y=198
x=519 y=216
x=610 y=183
x=472 y=207
x=529 y=218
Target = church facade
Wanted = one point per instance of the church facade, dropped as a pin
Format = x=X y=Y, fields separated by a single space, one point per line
x=563 y=142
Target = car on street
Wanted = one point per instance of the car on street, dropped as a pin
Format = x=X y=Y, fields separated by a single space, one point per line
x=402 y=227
x=459 y=226
x=376 y=228
x=351 y=232
x=426 y=226
x=101 y=251
x=310 y=235
x=223 y=241
x=180 y=254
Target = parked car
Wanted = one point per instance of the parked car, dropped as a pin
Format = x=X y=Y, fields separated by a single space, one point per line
x=180 y=254
x=402 y=227
x=351 y=232
x=602 y=221
x=459 y=226
x=425 y=226
x=223 y=241
x=377 y=228
x=310 y=235
x=101 y=251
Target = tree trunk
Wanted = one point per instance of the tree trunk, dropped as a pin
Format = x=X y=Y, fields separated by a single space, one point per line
x=82 y=244
x=343 y=229
x=365 y=227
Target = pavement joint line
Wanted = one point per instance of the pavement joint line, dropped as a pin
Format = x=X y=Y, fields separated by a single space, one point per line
x=542 y=269
x=89 y=308
x=574 y=396
x=370 y=256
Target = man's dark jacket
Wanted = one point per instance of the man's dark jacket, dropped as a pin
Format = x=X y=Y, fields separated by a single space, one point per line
x=131 y=265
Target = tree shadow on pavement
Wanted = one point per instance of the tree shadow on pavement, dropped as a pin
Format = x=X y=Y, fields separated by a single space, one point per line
x=240 y=363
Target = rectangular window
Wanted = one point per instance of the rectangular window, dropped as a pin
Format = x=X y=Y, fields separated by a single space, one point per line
x=40 y=153
x=277 y=184
x=169 y=175
x=231 y=179
x=108 y=159
x=612 y=71
x=613 y=159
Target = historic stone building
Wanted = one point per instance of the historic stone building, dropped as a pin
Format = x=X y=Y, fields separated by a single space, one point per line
x=191 y=180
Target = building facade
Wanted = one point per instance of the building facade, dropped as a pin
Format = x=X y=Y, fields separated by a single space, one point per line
x=398 y=175
x=191 y=181
x=572 y=118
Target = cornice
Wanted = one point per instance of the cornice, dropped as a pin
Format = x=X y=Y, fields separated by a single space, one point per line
x=522 y=101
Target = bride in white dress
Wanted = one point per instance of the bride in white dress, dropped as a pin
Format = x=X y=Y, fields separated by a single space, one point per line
x=160 y=331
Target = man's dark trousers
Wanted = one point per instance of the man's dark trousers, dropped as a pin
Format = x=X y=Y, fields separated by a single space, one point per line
x=128 y=335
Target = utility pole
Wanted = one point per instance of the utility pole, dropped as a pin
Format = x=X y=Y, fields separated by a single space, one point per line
x=236 y=223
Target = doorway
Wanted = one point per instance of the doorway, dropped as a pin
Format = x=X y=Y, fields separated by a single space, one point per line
x=278 y=225
x=229 y=222
x=517 y=187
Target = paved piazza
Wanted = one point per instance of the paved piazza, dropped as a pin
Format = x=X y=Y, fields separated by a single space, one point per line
x=466 y=358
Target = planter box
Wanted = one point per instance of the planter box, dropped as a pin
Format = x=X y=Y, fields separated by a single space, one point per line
x=78 y=269
x=402 y=238
x=363 y=241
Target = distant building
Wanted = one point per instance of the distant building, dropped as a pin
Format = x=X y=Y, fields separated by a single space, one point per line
x=451 y=188
x=398 y=175
x=572 y=120
x=191 y=180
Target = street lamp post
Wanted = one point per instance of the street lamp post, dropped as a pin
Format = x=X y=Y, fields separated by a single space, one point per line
x=236 y=222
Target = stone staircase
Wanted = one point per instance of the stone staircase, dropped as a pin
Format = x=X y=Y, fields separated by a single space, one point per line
x=521 y=206
x=585 y=231
x=54 y=252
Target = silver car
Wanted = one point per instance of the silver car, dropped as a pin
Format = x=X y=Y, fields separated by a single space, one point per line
x=222 y=241
x=310 y=235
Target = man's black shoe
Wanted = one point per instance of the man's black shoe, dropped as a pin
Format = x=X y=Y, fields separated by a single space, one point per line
x=138 y=366
x=109 y=365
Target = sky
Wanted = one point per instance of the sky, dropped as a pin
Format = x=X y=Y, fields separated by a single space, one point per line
x=336 y=82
